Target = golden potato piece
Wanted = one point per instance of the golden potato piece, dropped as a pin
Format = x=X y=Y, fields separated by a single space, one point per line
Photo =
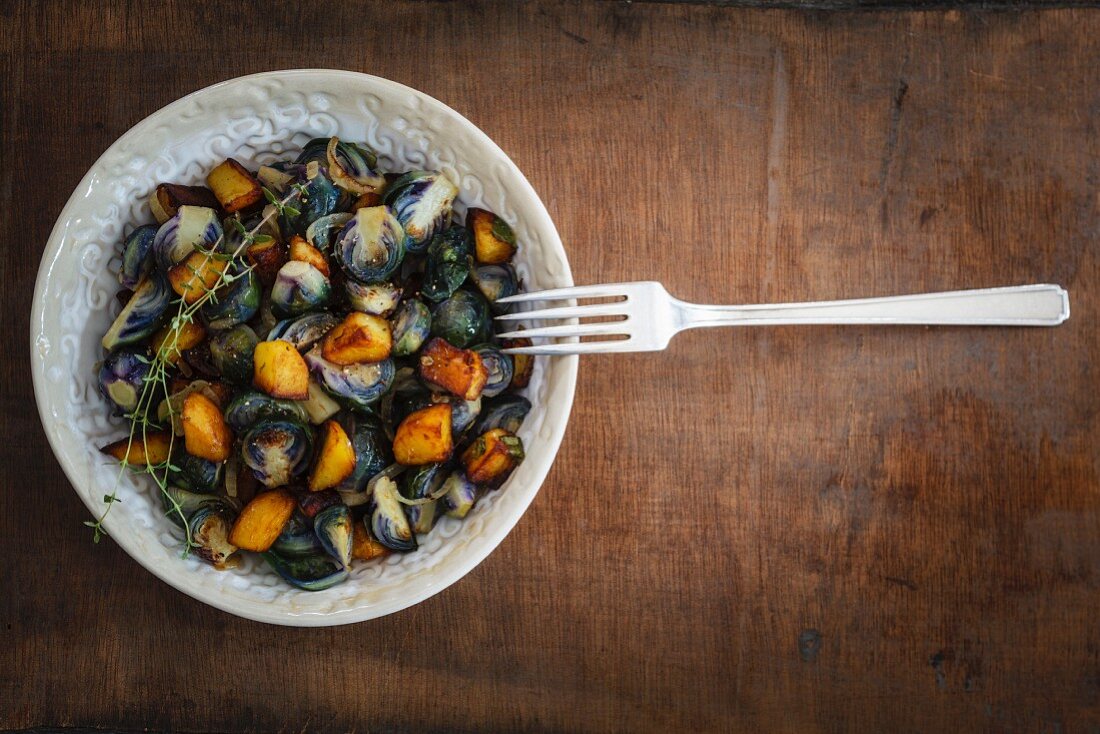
x=424 y=437
x=459 y=371
x=205 y=433
x=492 y=457
x=363 y=546
x=190 y=335
x=335 y=460
x=266 y=257
x=234 y=187
x=262 y=519
x=494 y=241
x=196 y=275
x=307 y=253
x=280 y=371
x=152 y=448
x=359 y=338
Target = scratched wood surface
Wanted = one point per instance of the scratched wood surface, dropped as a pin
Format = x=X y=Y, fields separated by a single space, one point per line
x=790 y=529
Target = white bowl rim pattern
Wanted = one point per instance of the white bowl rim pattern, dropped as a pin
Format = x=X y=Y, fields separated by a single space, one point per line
x=279 y=611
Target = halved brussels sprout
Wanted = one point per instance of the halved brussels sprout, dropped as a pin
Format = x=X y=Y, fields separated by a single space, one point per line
x=309 y=573
x=495 y=282
x=463 y=412
x=386 y=517
x=448 y=263
x=299 y=287
x=178 y=501
x=333 y=528
x=193 y=226
x=231 y=353
x=304 y=331
x=423 y=483
x=321 y=233
x=142 y=315
x=122 y=378
x=234 y=303
x=360 y=385
x=373 y=449
x=379 y=299
x=193 y=473
x=371 y=245
x=137 y=256
x=209 y=528
x=297 y=538
x=277 y=451
x=411 y=325
x=421 y=201
x=318 y=198
x=459 y=494
x=499 y=365
x=251 y=407
x=463 y=319
x=352 y=167
x=505 y=411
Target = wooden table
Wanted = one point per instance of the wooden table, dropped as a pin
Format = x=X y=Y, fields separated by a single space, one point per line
x=785 y=529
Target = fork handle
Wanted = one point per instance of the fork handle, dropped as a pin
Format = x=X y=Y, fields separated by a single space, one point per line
x=1024 y=305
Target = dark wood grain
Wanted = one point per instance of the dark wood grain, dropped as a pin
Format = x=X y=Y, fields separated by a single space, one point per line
x=786 y=529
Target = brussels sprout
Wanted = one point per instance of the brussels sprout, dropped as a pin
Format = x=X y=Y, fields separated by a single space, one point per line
x=277 y=451
x=298 y=288
x=122 y=378
x=209 y=530
x=309 y=573
x=386 y=517
x=231 y=353
x=318 y=198
x=234 y=303
x=463 y=412
x=499 y=365
x=360 y=385
x=193 y=226
x=251 y=407
x=448 y=263
x=373 y=450
x=304 y=331
x=142 y=315
x=379 y=299
x=193 y=473
x=320 y=234
x=495 y=282
x=463 y=319
x=333 y=529
x=459 y=494
x=297 y=538
x=352 y=167
x=315 y=150
x=505 y=411
x=178 y=501
x=411 y=325
x=371 y=245
x=422 y=483
x=421 y=201
x=137 y=256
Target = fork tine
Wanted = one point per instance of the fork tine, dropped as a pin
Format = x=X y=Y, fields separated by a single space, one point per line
x=617 y=345
x=581 y=291
x=603 y=329
x=567 y=312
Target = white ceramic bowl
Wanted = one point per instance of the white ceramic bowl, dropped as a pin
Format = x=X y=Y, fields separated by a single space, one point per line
x=256 y=118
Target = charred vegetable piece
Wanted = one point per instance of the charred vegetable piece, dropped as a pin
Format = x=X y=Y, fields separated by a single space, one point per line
x=299 y=287
x=359 y=338
x=193 y=227
x=495 y=282
x=180 y=504
x=122 y=378
x=209 y=527
x=193 y=473
x=411 y=325
x=143 y=450
x=262 y=520
x=352 y=167
x=267 y=257
x=170 y=342
x=309 y=573
x=297 y=538
x=195 y=275
x=235 y=302
x=368 y=199
x=424 y=437
x=463 y=412
x=142 y=315
x=313 y=503
x=168 y=198
x=363 y=546
x=319 y=199
x=319 y=407
x=307 y=253
x=463 y=319
x=379 y=299
x=235 y=188
x=280 y=371
x=494 y=240
x=304 y=331
x=205 y=432
x=231 y=353
x=459 y=371
x=448 y=264
x=137 y=256
x=523 y=365
x=499 y=366
x=386 y=514
x=459 y=494
x=276 y=451
x=333 y=527
x=371 y=246
x=321 y=233
x=373 y=450
x=423 y=484
x=335 y=460
x=492 y=457
x=421 y=201
x=250 y=408
x=505 y=411
x=359 y=385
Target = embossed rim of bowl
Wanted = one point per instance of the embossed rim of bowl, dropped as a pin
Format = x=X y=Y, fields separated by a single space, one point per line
x=540 y=456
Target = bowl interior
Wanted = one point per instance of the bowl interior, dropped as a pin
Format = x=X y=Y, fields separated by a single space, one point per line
x=258 y=119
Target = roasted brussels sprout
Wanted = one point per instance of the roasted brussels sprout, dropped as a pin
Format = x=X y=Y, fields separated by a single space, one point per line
x=499 y=365
x=309 y=573
x=504 y=411
x=277 y=451
x=122 y=378
x=359 y=385
x=250 y=408
x=495 y=282
x=463 y=319
x=142 y=315
x=459 y=494
x=371 y=246
x=137 y=256
x=448 y=264
x=209 y=528
x=377 y=299
x=411 y=325
x=297 y=538
x=305 y=331
x=421 y=201
x=422 y=483
x=298 y=288
x=193 y=226
x=234 y=303
x=180 y=504
x=387 y=519
x=193 y=473
x=321 y=233
x=333 y=529
x=352 y=167
x=231 y=353
x=318 y=199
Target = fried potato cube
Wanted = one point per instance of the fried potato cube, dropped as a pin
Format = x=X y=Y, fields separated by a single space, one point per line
x=266 y=257
x=152 y=448
x=280 y=371
x=363 y=546
x=307 y=253
x=174 y=342
x=205 y=433
x=492 y=457
x=494 y=241
x=523 y=365
x=359 y=338
x=459 y=371
x=196 y=275
x=168 y=198
x=424 y=437
x=335 y=460
x=262 y=520
x=235 y=188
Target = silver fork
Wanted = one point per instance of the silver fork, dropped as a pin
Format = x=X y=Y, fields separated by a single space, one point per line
x=650 y=317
